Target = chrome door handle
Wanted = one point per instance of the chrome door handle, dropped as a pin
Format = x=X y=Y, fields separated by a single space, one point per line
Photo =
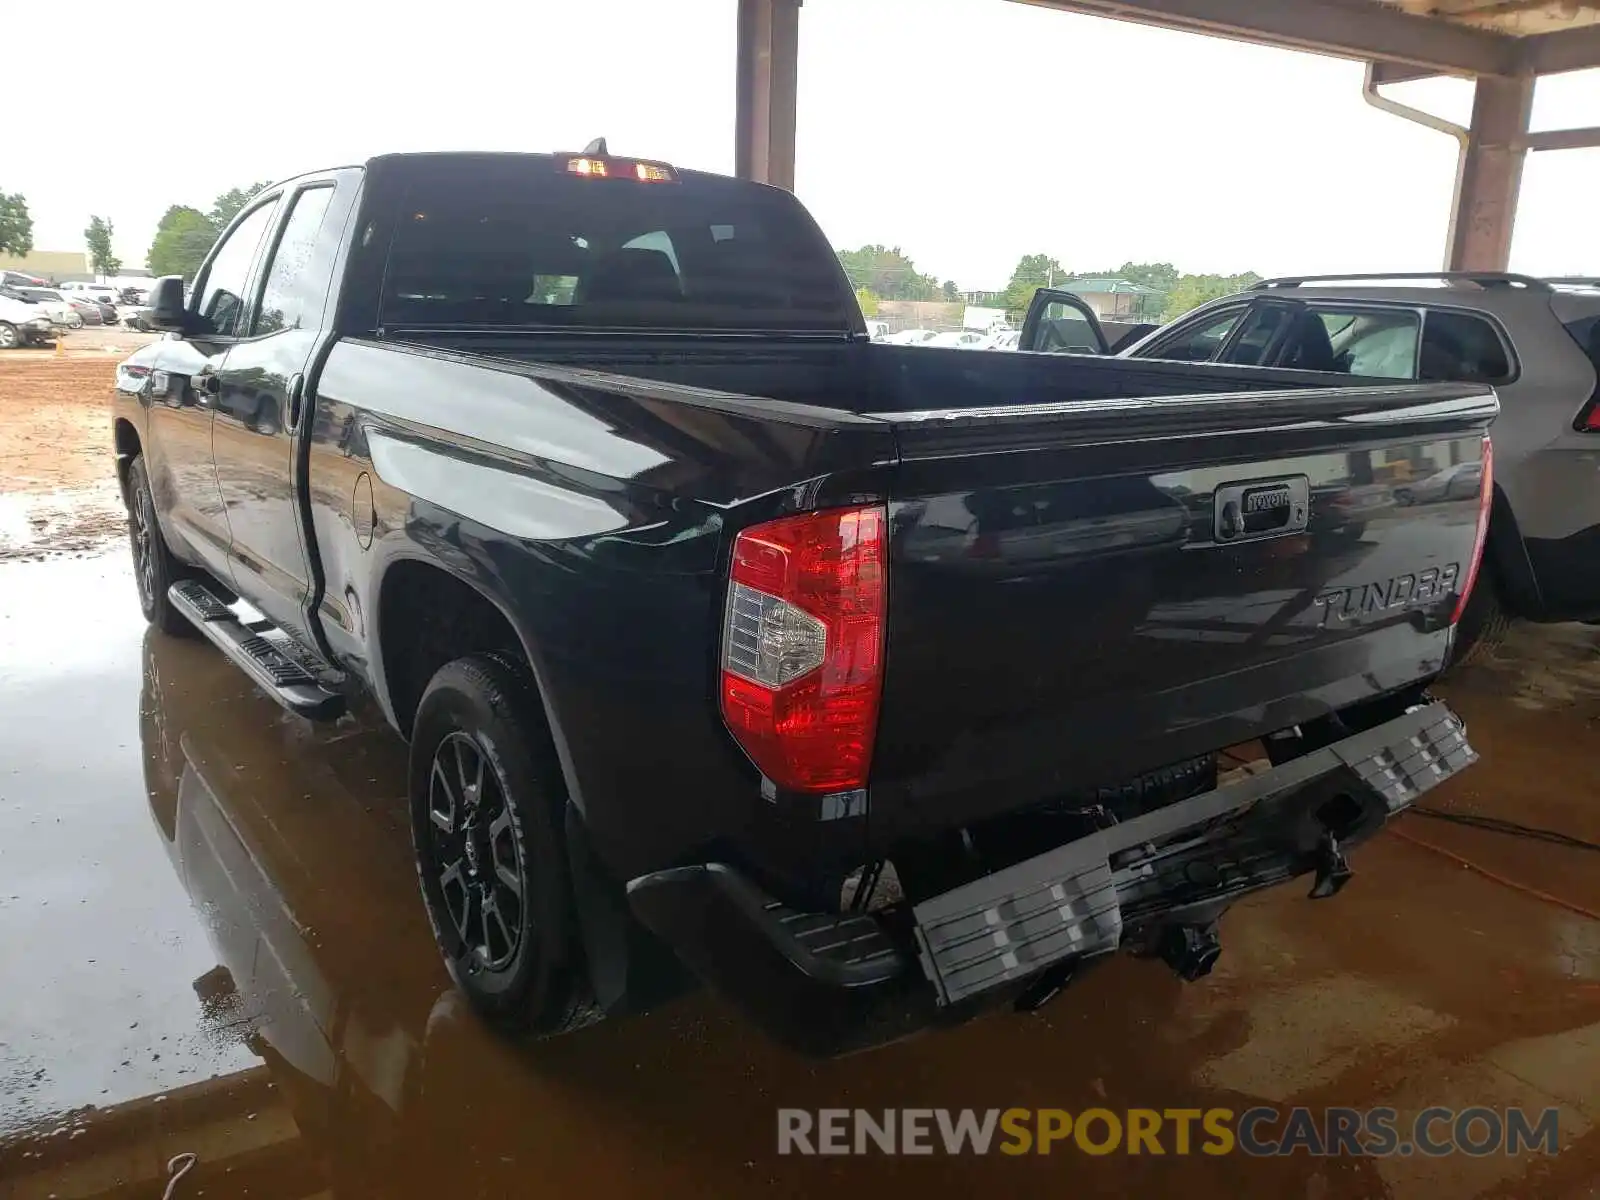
x=296 y=394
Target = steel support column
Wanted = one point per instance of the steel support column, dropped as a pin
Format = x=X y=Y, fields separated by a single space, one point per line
x=768 y=57
x=1489 y=176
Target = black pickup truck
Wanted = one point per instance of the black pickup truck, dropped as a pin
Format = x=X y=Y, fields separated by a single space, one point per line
x=882 y=685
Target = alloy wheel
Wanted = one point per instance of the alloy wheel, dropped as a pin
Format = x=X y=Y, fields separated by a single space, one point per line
x=144 y=559
x=482 y=877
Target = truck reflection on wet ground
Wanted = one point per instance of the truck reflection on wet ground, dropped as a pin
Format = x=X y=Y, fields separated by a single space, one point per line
x=291 y=977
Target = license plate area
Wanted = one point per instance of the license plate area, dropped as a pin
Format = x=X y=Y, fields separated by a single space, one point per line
x=1069 y=902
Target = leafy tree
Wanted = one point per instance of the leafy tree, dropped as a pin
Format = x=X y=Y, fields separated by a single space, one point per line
x=1191 y=291
x=1161 y=276
x=226 y=206
x=868 y=299
x=182 y=241
x=98 y=239
x=16 y=226
x=1033 y=271
x=951 y=292
x=888 y=273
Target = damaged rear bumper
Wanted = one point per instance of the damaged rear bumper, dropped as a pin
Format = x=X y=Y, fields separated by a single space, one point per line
x=830 y=983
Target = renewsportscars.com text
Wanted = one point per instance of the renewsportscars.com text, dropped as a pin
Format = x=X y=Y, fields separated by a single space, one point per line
x=1263 y=1131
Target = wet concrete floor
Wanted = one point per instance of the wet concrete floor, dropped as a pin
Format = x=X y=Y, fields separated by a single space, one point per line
x=211 y=942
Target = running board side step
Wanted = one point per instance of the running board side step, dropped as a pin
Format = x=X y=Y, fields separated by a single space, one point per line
x=259 y=656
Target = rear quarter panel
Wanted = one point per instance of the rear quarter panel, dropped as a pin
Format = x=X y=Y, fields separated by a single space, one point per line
x=593 y=511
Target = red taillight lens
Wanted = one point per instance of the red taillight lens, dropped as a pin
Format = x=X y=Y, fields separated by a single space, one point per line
x=802 y=646
x=1485 y=503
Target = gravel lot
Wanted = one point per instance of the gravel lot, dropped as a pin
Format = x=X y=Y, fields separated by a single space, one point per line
x=58 y=492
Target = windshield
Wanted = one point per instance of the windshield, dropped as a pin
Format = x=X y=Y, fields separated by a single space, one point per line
x=518 y=244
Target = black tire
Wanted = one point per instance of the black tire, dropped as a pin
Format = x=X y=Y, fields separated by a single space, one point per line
x=154 y=567
x=1483 y=625
x=521 y=969
x=10 y=338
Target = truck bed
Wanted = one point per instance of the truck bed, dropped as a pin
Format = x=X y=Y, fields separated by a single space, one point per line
x=1062 y=615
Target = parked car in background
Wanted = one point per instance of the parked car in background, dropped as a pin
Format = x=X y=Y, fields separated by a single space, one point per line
x=85 y=310
x=877 y=330
x=107 y=310
x=88 y=309
x=1457 y=480
x=909 y=337
x=960 y=339
x=1000 y=339
x=61 y=311
x=22 y=322
x=1537 y=341
x=101 y=292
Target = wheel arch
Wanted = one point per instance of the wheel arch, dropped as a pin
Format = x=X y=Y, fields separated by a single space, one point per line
x=125 y=438
x=613 y=959
x=1506 y=557
x=415 y=592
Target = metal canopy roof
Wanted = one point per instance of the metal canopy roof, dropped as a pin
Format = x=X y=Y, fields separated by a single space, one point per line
x=1504 y=45
x=1411 y=38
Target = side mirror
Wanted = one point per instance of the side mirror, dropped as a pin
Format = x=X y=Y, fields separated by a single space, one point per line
x=167 y=311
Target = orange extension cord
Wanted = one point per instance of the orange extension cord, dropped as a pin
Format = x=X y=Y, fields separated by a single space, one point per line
x=1500 y=879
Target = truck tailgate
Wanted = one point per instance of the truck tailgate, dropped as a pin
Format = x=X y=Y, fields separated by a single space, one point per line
x=1083 y=592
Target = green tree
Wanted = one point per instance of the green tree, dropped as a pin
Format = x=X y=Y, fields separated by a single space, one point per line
x=1191 y=291
x=182 y=241
x=951 y=293
x=889 y=273
x=226 y=206
x=16 y=226
x=868 y=299
x=1161 y=276
x=1033 y=271
x=98 y=238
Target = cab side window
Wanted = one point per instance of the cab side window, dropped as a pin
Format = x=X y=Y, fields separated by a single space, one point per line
x=222 y=293
x=1201 y=341
x=1262 y=326
x=298 y=278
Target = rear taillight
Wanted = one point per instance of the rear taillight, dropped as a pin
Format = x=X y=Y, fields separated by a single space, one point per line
x=1485 y=503
x=802 y=646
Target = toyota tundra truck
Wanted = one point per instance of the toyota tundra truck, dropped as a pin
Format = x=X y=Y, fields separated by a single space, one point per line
x=874 y=686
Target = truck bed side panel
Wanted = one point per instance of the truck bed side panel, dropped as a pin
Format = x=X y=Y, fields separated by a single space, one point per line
x=593 y=516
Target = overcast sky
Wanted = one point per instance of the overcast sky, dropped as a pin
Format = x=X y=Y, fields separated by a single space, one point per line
x=968 y=132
